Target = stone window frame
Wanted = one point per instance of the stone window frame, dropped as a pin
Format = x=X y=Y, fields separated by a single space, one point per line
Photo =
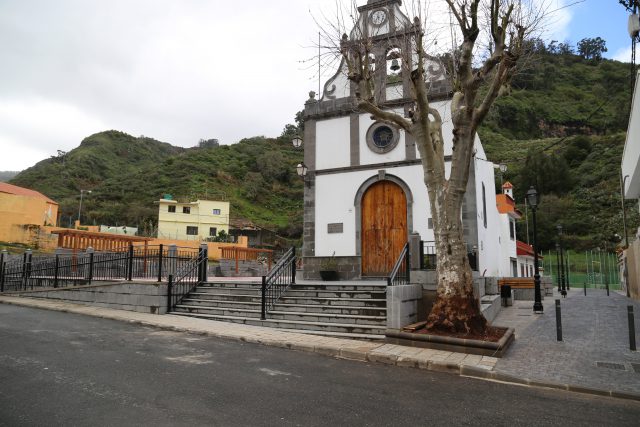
x=382 y=150
x=192 y=230
x=186 y=209
x=171 y=208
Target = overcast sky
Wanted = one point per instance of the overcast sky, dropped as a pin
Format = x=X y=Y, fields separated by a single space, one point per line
x=180 y=70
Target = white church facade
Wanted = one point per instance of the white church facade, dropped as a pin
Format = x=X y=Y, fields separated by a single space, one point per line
x=365 y=193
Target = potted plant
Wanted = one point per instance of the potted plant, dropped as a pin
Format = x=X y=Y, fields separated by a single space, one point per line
x=329 y=268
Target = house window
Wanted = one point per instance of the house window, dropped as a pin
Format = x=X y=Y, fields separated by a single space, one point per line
x=216 y=211
x=186 y=210
x=512 y=229
x=522 y=270
x=484 y=206
x=213 y=231
x=514 y=268
x=192 y=231
x=430 y=223
x=171 y=209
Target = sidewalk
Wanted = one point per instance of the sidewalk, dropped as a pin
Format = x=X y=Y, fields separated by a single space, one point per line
x=594 y=353
x=594 y=331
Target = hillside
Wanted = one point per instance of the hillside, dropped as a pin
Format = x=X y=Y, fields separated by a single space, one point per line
x=127 y=174
x=561 y=128
x=5 y=176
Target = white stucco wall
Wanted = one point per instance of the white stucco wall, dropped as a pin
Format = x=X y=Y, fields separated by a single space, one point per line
x=335 y=198
x=332 y=143
x=490 y=240
x=631 y=156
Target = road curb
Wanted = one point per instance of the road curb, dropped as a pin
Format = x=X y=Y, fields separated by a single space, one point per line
x=355 y=353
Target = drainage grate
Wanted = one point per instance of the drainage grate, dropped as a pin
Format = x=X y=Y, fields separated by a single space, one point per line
x=610 y=365
x=636 y=367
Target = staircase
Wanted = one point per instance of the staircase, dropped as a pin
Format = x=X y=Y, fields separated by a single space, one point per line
x=340 y=309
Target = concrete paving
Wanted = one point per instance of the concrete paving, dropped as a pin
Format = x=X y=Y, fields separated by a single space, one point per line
x=594 y=353
x=594 y=331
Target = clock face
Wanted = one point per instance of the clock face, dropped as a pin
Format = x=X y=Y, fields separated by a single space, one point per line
x=378 y=17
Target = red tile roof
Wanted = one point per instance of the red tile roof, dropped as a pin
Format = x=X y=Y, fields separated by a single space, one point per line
x=21 y=191
x=524 y=249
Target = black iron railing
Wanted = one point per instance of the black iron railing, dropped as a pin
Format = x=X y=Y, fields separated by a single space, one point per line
x=427 y=255
x=401 y=272
x=187 y=278
x=71 y=269
x=281 y=276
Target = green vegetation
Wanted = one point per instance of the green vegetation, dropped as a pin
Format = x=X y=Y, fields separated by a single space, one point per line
x=561 y=128
x=7 y=175
x=127 y=174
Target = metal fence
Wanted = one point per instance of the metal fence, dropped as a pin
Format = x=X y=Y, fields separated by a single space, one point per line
x=278 y=280
x=72 y=269
x=401 y=272
x=186 y=278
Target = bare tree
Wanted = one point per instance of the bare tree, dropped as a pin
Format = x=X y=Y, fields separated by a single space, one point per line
x=492 y=33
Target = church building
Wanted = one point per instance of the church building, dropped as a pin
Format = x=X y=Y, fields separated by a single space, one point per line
x=364 y=189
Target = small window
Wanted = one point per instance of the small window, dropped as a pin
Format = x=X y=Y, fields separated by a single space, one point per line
x=186 y=209
x=512 y=230
x=171 y=209
x=484 y=206
x=192 y=231
x=216 y=211
x=430 y=223
x=213 y=231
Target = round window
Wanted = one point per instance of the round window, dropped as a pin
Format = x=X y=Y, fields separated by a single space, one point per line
x=382 y=138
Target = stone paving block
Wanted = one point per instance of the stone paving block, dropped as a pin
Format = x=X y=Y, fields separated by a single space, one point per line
x=382 y=357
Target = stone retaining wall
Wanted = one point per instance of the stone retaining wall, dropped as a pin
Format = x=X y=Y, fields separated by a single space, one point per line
x=143 y=297
x=348 y=267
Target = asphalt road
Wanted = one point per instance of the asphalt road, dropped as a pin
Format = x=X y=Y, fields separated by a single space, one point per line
x=66 y=369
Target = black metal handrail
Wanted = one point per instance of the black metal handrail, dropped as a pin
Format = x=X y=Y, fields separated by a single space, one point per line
x=71 y=269
x=187 y=279
x=401 y=272
x=276 y=282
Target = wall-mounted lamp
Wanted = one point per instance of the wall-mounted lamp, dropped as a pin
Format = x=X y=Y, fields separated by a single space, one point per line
x=297 y=142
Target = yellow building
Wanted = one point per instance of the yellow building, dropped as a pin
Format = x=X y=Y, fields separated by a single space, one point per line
x=192 y=220
x=23 y=213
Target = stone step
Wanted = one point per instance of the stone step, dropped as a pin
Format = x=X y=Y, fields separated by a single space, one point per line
x=490 y=306
x=232 y=285
x=337 y=309
x=226 y=297
x=321 y=293
x=354 y=302
x=306 y=308
x=338 y=334
x=338 y=287
x=297 y=326
x=284 y=315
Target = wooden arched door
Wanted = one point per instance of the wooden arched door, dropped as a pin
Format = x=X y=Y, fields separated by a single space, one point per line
x=384 y=227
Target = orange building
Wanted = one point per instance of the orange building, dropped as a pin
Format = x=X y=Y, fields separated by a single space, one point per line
x=24 y=213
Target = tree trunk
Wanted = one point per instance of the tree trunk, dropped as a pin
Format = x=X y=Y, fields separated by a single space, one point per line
x=455 y=309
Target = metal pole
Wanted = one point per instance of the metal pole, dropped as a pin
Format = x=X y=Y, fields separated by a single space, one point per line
x=567 y=265
x=263 y=312
x=169 y=292
x=632 y=328
x=80 y=207
x=558 y=321
x=2 y=266
x=160 y=263
x=130 y=266
x=563 y=290
x=55 y=271
x=558 y=266
x=585 y=288
x=537 y=305
x=293 y=267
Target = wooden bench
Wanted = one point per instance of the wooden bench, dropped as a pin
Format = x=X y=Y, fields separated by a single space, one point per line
x=517 y=282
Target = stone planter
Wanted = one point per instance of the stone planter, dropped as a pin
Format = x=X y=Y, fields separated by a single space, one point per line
x=329 y=275
x=459 y=345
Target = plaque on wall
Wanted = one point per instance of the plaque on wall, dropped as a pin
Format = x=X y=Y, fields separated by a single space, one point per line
x=335 y=227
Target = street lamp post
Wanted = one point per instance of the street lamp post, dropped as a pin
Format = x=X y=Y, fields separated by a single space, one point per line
x=80 y=207
x=624 y=227
x=558 y=265
x=532 y=198
x=564 y=290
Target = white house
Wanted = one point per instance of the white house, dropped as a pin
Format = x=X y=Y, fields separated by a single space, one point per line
x=365 y=191
x=630 y=180
x=509 y=214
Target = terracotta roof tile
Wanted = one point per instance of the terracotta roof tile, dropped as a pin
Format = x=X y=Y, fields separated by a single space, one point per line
x=21 y=191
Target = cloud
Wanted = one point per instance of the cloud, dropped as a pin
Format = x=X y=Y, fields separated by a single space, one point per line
x=624 y=54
